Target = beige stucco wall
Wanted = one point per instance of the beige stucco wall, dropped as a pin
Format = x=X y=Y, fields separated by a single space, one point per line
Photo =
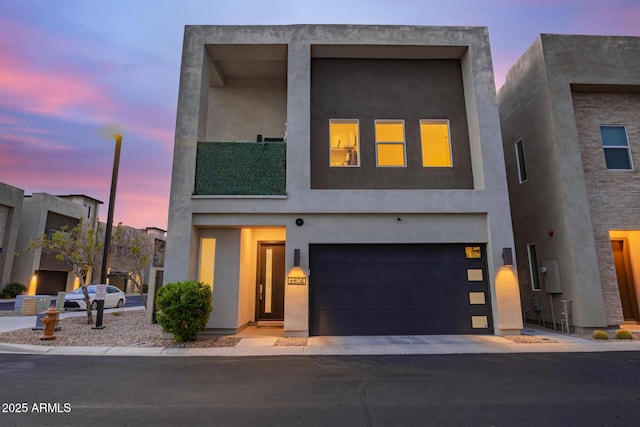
x=32 y=222
x=244 y=108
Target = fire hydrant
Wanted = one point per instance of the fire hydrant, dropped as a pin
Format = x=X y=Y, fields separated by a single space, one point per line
x=49 y=320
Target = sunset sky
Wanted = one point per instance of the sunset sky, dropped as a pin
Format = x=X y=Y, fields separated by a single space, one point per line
x=72 y=72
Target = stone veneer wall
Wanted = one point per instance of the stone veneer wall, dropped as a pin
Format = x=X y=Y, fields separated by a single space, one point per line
x=613 y=194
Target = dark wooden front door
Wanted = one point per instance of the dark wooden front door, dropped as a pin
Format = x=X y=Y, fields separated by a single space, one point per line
x=270 y=286
x=626 y=285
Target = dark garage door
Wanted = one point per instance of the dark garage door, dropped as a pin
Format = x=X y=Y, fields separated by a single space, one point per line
x=51 y=282
x=398 y=290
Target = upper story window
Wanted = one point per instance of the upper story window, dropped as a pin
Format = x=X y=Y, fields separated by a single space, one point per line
x=616 y=147
x=343 y=143
x=390 y=143
x=436 y=144
x=522 y=169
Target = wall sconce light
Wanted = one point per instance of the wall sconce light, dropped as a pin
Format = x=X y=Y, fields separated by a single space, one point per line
x=296 y=257
x=507 y=256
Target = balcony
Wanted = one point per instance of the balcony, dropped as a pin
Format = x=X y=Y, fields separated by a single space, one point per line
x=241 y=168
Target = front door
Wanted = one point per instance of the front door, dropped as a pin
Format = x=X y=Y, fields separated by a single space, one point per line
x=626 y=285
x=270 y=285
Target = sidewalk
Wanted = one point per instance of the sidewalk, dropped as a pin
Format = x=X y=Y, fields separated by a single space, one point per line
x=549 y=342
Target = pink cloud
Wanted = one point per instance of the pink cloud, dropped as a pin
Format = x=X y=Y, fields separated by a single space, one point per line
x=48 y=92
x=141 y=209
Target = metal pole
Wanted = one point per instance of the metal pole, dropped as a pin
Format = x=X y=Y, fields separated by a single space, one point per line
x=107 y=235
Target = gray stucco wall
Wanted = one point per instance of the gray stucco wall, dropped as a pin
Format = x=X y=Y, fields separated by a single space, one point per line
x=536 y=105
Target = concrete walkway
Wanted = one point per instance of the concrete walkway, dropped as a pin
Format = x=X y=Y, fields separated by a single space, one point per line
x=265 y=344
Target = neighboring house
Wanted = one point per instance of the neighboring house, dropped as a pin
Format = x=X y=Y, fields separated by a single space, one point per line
x=46 y=213
x=343 y=180
x=570 y=112
x=123 y=267
x=154 y=272
x=10 y=211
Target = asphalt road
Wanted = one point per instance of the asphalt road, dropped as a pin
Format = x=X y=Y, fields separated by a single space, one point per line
x=586 y=389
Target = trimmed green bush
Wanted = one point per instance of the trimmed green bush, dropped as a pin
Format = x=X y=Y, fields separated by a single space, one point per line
x=12 y=290
x=600 y=335
x=183 y=309
x=623 y=334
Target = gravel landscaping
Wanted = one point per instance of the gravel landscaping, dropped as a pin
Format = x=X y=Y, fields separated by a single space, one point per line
x=121 y=329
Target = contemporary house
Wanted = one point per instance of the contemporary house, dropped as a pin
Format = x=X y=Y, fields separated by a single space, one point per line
x=570 y=117
x=46 y=213
x=125 y=260
x=343 y=180
x=10 y=211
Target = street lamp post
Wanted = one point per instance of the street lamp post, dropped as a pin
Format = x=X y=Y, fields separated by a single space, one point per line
x=107 y=236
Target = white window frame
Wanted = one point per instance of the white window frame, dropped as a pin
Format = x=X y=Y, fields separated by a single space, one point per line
x=617 y=147
x=436 y=121
x=357 y=144
x=403 y=142
x=533 y=267
x=520 y=142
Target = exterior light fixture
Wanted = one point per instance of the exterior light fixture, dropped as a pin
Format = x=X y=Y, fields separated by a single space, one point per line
x=507 y=256
x=296 y=257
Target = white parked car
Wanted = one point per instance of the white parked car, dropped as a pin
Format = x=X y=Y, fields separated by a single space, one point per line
x=114 y=297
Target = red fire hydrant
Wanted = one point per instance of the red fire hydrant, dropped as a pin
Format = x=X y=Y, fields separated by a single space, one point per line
x=49 y=320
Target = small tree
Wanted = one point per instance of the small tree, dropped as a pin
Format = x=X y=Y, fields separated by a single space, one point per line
x=131 y=253
x=80 y=248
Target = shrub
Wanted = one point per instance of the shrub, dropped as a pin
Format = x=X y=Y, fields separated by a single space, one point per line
x=184 y=309
x=600 y=335
x=623 y=334
x=12 y=290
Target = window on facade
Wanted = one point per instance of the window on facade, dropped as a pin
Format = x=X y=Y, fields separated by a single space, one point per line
x=436 y=144
x=390 y=143
x=522 y=169
x=616 y=147
x=343 y=143
x=207 y=260
x=533 y=267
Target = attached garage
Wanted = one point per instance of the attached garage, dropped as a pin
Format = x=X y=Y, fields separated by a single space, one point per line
x=398 y=289
x=51 y=282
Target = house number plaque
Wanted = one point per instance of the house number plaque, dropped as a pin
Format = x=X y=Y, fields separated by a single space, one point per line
x=297 y=281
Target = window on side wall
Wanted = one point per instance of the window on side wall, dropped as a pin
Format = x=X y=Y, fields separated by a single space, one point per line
x=616 y=147
x=533 y=267
x=436 y=144
x=344 y=143
x=522 y=169
x=390 y=143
